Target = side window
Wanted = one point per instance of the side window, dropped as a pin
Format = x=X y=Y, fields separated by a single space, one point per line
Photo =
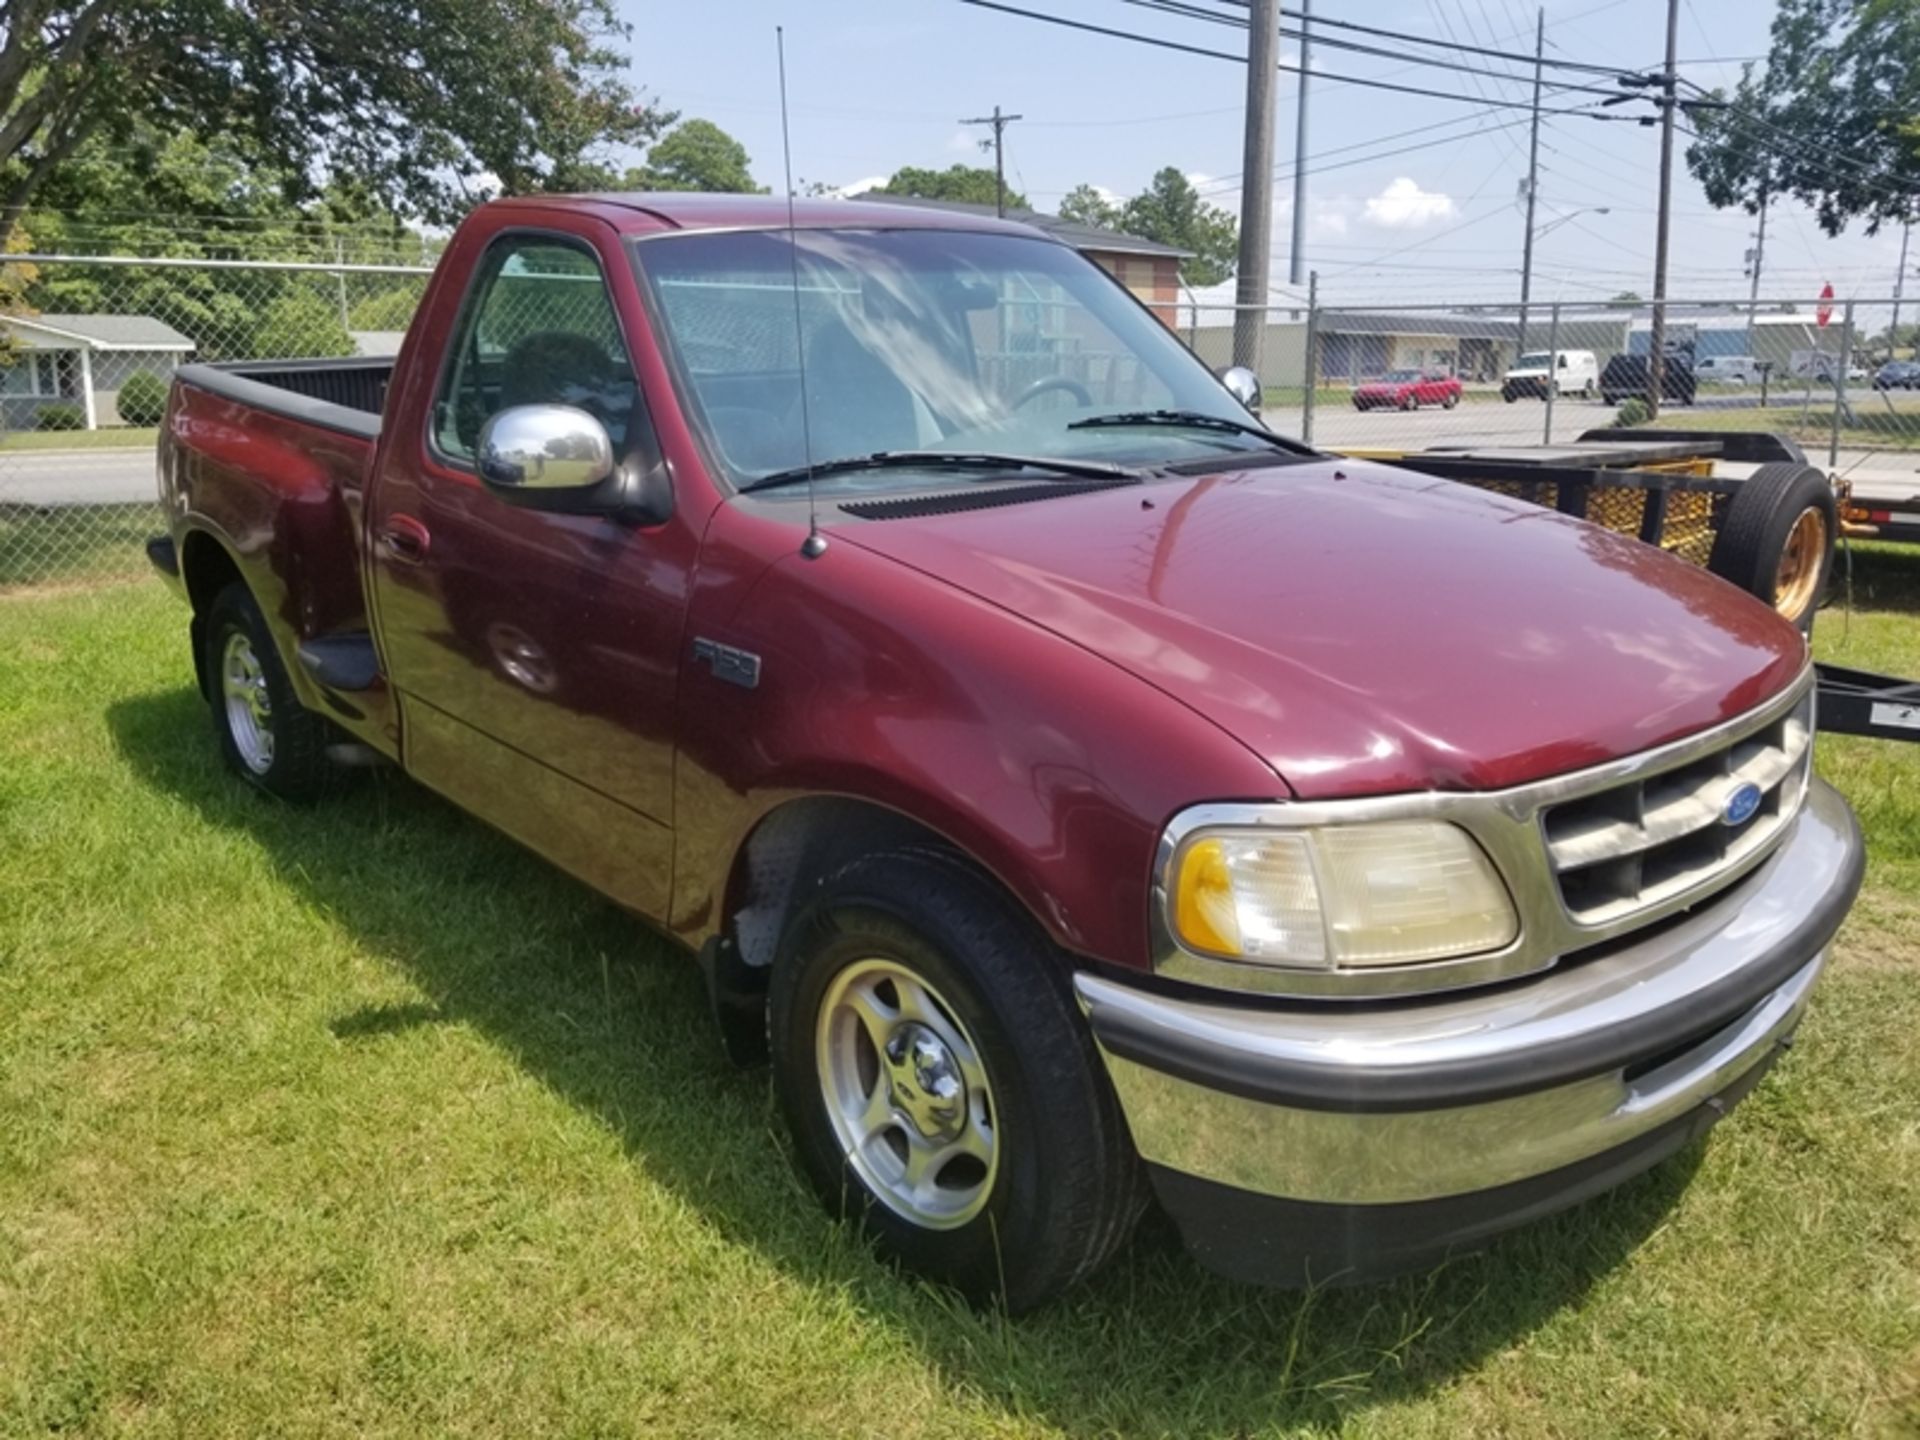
x=538 y=328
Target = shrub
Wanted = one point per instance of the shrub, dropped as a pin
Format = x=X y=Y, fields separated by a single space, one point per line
x=60 y=417
x=1633 y=411
x=143 y=398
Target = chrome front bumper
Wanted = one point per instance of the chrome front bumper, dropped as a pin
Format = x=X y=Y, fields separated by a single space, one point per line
x=1415 y=1101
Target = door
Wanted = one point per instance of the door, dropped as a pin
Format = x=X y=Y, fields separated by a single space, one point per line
x=534 y=653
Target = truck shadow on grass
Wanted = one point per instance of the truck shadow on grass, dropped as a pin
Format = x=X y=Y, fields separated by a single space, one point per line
x=613 y=1020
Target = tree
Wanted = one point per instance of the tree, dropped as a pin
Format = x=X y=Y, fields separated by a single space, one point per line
x=1626 y=297
x=968 y=183
x=423 y=105
x=1087 y=206
x=184 y=196
x=1833 y=119
x=696 y=155
x=1171 y=211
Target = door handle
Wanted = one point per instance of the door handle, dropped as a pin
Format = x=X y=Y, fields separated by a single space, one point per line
x=405 y=538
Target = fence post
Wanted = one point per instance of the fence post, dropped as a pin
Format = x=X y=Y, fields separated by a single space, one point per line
x=1553 y=372
x=1840 y=387
x=1313 y=355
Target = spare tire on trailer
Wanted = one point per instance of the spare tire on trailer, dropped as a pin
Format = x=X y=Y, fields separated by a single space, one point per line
x=1776 y=539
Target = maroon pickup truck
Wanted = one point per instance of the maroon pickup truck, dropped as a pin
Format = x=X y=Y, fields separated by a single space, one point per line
x=1085 y=795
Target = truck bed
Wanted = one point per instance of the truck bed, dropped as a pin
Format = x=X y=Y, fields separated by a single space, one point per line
x=344 y=395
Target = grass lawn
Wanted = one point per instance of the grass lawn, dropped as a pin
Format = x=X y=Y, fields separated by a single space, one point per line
x=360 y=1120
x=124 y=437
x=1877 y=424
x=64 y=544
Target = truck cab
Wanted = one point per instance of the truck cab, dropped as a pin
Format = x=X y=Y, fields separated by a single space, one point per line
x=1074 y=790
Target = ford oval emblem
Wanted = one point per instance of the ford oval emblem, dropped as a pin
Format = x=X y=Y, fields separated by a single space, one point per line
x=1741 y=803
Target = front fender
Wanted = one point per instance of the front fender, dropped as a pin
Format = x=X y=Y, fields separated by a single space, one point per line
x=1051 y=767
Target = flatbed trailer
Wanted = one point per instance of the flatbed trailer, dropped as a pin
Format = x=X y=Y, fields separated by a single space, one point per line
x=1770 y=528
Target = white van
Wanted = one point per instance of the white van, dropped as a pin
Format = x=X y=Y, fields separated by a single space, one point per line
x=1728 y=369
x=1574 y=372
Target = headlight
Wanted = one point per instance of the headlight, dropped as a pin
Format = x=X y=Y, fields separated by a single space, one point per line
x=1387 y=893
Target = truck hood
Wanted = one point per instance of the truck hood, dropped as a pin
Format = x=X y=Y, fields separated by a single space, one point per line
x=1368 y=630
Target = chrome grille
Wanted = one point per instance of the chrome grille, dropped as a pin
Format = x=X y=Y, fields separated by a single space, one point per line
x=1659 y=837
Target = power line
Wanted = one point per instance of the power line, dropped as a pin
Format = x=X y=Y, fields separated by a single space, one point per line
x=1194 y=12
x=1405 y=36
x=1201 y=50
x=1219 y=184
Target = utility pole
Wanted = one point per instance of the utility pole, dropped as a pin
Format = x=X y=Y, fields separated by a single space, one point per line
x=1533 y=178
x=1899 y=286
x=1669 y=88
x=1297 y=262
x=999 y=123
x=1256 y=186
x=1756 y=257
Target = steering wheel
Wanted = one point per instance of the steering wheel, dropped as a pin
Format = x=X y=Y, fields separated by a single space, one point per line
x=1047 y=384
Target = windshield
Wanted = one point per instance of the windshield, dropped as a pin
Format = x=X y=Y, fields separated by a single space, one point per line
x=918 y=340
x=1538 y=360
x=1401 y=375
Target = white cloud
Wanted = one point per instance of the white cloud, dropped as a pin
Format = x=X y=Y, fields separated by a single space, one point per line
x=962 y=140
x=861 y=186
x=1199 y=179
x=1403 y=205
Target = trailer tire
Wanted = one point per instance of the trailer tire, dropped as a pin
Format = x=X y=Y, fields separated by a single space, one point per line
x=1776 y=541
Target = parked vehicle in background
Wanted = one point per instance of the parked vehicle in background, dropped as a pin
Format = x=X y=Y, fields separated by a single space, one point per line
x=1897 y=375
x=1627 y=375
x=1407 y=390
x=1073 y=797
x=1728 y=369
x=1572 y=372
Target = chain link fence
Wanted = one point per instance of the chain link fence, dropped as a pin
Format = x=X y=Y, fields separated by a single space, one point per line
x=88 y=346
x=1391 y=379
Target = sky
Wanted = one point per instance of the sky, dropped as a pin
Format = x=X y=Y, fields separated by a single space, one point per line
x=877 y=84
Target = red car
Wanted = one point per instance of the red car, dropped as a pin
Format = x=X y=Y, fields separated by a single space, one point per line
x=1071 y=786
x=1407 y=390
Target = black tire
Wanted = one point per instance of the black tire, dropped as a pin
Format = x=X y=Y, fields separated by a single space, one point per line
x=1451 y=401
x=1509 y=396
x=295 y=766
x=1067 y=1187
x=1754 y=532
x=1409 y=402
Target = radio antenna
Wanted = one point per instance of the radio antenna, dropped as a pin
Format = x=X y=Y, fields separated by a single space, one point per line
x=815 y=545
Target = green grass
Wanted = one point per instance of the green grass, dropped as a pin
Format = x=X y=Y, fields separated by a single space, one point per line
x=358 y=1120
x=62 y=544
x=1876 y=424
x=126 y=437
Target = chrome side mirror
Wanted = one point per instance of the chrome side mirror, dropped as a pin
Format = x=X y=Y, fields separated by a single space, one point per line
x=545 y=455
x=1243 y=385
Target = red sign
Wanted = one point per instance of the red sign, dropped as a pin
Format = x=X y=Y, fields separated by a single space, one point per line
x=1825 y=312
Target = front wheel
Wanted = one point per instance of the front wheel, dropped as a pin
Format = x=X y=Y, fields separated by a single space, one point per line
x=940 y=1086
x=266 y=736
x=1451 y=401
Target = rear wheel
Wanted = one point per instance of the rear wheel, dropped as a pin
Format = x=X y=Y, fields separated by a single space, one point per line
x=940 y=1086
x=1409 y=402
x=1776 y=541
x=266 y=736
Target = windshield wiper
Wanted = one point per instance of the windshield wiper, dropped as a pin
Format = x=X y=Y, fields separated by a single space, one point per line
x=944 y=460
x=1191 y=420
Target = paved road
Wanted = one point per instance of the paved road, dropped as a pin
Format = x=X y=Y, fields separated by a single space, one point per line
x=76 y=477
